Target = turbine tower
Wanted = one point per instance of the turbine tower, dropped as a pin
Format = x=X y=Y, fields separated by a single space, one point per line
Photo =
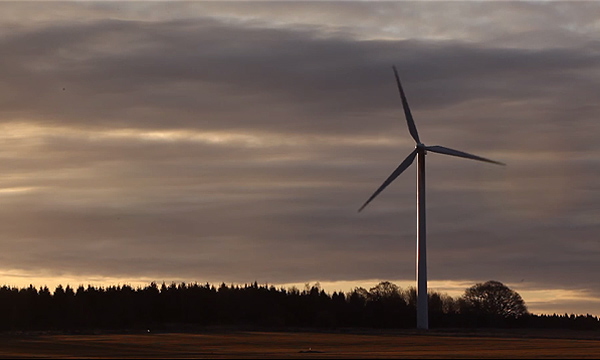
x=419 y=152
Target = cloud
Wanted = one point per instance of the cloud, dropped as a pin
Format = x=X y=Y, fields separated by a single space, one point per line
x=237 y=145
x=130 y=73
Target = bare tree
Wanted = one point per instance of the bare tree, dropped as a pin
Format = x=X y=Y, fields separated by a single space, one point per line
x=493 y=298
x=385 y=290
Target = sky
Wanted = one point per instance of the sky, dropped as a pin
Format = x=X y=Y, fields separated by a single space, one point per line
x=235 y=141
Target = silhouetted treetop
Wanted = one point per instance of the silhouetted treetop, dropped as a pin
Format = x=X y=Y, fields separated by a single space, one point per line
x=385 y=290
x=494 y=298
x=189 y=306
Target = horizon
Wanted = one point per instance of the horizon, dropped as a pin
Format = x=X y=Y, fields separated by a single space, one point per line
x=535 y=300
x=234 y=142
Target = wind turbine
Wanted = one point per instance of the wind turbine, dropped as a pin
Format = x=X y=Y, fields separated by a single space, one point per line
x=419 y=152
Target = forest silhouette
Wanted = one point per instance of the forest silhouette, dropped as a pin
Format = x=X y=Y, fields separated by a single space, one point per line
x=176 y=307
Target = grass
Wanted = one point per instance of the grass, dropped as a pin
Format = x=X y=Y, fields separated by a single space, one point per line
x=317 y=345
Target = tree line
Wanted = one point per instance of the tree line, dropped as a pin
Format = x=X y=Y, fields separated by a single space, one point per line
x=191 y=306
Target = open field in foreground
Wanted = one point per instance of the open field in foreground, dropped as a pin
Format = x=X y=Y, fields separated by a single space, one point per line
x=242 y=344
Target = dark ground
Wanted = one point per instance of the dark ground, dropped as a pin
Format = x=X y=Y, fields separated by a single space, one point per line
x=230 y=343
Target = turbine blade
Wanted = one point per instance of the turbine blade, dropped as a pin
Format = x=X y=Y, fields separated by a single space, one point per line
x=447 y=151
x=403 y=166
x=412 y=128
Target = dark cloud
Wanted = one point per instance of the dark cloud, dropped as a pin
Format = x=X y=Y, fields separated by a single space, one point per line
x=164 y=74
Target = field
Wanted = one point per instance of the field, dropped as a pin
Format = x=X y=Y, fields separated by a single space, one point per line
x=317 y=345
